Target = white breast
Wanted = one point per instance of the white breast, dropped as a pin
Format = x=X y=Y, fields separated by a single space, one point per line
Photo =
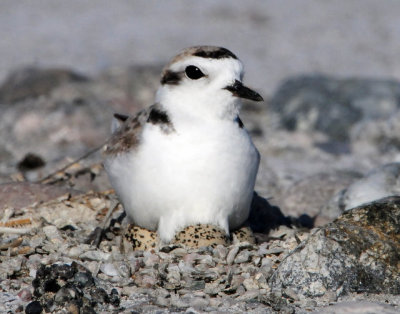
x=198 y=174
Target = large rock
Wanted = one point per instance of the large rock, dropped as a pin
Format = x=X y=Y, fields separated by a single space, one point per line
x=310 y=194
x=32 y=82
x=381 y=182
x=332 y=105
x=379 y=136
x=358 y=252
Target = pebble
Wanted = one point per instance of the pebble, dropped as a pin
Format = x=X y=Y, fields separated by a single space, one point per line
x=220 y=252
x=242 y=257
x=231 y=255
x=250 y=284
x=53 y=235
x=34 y=308
x=25 y=295
x=198 y=302
x=248 y=295
x=162 y=301
x=95 y=256
x=109 y=269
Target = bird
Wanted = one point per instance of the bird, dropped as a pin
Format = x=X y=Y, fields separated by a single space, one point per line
x=187 y=159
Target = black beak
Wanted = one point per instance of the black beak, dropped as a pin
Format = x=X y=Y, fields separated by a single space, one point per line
x=241 y=91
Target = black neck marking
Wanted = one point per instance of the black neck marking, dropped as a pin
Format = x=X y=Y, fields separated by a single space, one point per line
x=239 y=122
x=158 y=116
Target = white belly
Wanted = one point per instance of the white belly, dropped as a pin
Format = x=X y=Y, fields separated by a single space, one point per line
x=175 y=180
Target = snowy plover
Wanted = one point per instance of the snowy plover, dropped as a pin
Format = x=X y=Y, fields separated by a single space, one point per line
x=187 y=159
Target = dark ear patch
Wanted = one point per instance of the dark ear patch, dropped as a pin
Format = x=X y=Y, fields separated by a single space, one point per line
x=172 y=78
x=219 y=53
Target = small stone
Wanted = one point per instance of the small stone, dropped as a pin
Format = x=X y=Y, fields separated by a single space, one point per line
x=114 y=297
x=231 y=255
x=25 y=295
x=179 y=252
x=161 y=301
x=235 y=283
x=64 y=295
x=256 y=260
x=212 y=288
x=109 y=269
x=83 y=279
x=123 y=269
x=242 y=257
x=276 y=251
x=197 y=285
x=248 y=295
x=250 y=284
x=95 y=256
x=75 y=252
x=262 y=281
x=73 y=308
x=66 y=271
x=99 y=295
x=215 y=302
x=52 y=234
x=150 y=259
x=266 y=267
x=145 y=281
x=190 y=258
x=206 y=259
x=173 y=276
x=179 y=302
x=220 y=252
x=288 y=292
x=198 y=302
x=34 y=308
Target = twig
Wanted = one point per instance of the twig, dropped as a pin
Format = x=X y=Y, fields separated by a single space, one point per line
x=15 y=230
x=96 y=236
x=90 y=152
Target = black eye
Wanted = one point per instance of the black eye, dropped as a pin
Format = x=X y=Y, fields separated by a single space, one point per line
x=193 y=72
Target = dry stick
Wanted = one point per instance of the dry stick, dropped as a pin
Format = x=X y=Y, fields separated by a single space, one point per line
x=96 y=236
x=71 y=163
x=11 y=230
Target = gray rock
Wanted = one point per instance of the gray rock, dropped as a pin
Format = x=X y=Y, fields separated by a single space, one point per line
x=242 y=257
x=231 y=255
x=332 y=105
x=357 y=307
x=109 y=269
x=377 y=136
x=311 y=194
x=33 y=82
x=379 y=183
x=359 y=252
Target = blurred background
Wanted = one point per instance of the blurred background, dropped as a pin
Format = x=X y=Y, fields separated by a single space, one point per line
x=275 y=39
x=329 y=72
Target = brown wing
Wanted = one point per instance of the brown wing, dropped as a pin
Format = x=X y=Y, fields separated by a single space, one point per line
x=128 y=136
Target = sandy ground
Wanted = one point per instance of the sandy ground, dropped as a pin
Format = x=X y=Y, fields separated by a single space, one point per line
x=275 y=39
